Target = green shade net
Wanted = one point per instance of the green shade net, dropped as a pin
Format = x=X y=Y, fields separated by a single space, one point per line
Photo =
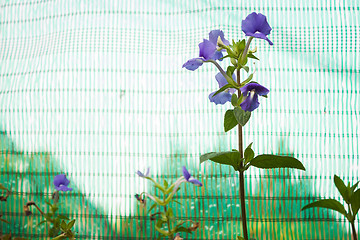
x=96 y=90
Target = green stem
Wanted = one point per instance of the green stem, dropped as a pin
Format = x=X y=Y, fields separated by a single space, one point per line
x=171 y=236
x=243 y=56
x=241 y=173
x=353 y=230
x=228 y=79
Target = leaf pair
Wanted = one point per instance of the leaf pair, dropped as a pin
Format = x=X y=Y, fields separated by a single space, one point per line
x=234 y=117
x=264 y=161
x=350 y=196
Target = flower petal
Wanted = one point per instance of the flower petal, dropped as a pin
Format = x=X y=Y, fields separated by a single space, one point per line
x=249 y=23
x=60 y=179
x=259 y=89
x=221 y=80
x=250 y=103
x=260 y=35
x=185 y=173
x=256 y=25
x=214 y=35
x=220 y=98
x=207 y=49
x=217 y=55
x=195 y=181
x=193 y=64
x=63 y=188
x=143 y=175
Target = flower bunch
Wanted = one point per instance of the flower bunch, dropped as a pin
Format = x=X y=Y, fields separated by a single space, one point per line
x=255 y=26
x=166 y=224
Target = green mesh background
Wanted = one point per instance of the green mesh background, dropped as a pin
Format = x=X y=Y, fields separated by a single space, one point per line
x=95 y=89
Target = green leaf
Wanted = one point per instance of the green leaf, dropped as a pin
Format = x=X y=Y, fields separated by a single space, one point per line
x=2 y=187
x=327 y=203
x=223 y=89
x=240 y=46
x=240 y=238
x=344 y=191
x=230 y=53
x=355 y=202
x=182 y=229
x=241 y=116
x=248 y=154
x=165 y=183
x=3 y=220
x=229 y=120
x=250 y=55
x=247 y=80
x=53 y=232
x=232 y=158
x=40 y=223
x=48 y=203
x=234 y=100
x=70 y=224
x=63 y=217
x=63 y=225
x=175 y=201
x=152 y=207
x=354 y=187
x=230 y=70
x=170 y=213
x=274 y=161
x=246 y=68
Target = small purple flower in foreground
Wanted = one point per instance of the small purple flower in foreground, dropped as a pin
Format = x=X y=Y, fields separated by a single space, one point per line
x=208 y=50
x=222 y=97
x=188 y=177
x=144 y=175
x=251 y=92
x=256 y=25
x=177 y=237
x=61 y=183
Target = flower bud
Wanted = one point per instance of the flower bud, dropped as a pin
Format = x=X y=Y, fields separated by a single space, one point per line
x=220 y=43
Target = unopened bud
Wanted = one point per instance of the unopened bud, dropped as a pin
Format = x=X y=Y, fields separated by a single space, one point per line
x=220 y=43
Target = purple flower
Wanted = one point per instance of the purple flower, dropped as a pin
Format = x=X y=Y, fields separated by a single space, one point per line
x=143 y=175
x=256 y=25
x=208 y=50
x=188 y=177
x=61 y=183
x=251 y=92
x=222 y=97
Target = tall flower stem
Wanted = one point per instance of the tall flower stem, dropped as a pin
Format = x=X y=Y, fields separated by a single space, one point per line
x=353 y=230
x=241 y=173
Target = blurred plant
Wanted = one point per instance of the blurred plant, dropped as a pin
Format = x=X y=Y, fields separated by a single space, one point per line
x=166 y=224
x=255 y=25
x=3 y=198
x=59 y=225
x=349 y=195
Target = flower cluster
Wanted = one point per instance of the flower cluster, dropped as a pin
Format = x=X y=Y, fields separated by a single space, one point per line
x=254 y=25
x=166 y=223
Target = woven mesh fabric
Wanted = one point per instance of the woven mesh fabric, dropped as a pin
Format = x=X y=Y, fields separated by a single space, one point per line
x=95 y=89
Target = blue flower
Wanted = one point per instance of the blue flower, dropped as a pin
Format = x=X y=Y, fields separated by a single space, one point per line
x=61 y=183
x=143 y=175
x=208 y=50
x=222 y=97
x=190 y=179
x=251 y=92
x=256 y=25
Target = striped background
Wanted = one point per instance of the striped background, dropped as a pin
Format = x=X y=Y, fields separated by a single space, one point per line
x=95 y=89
